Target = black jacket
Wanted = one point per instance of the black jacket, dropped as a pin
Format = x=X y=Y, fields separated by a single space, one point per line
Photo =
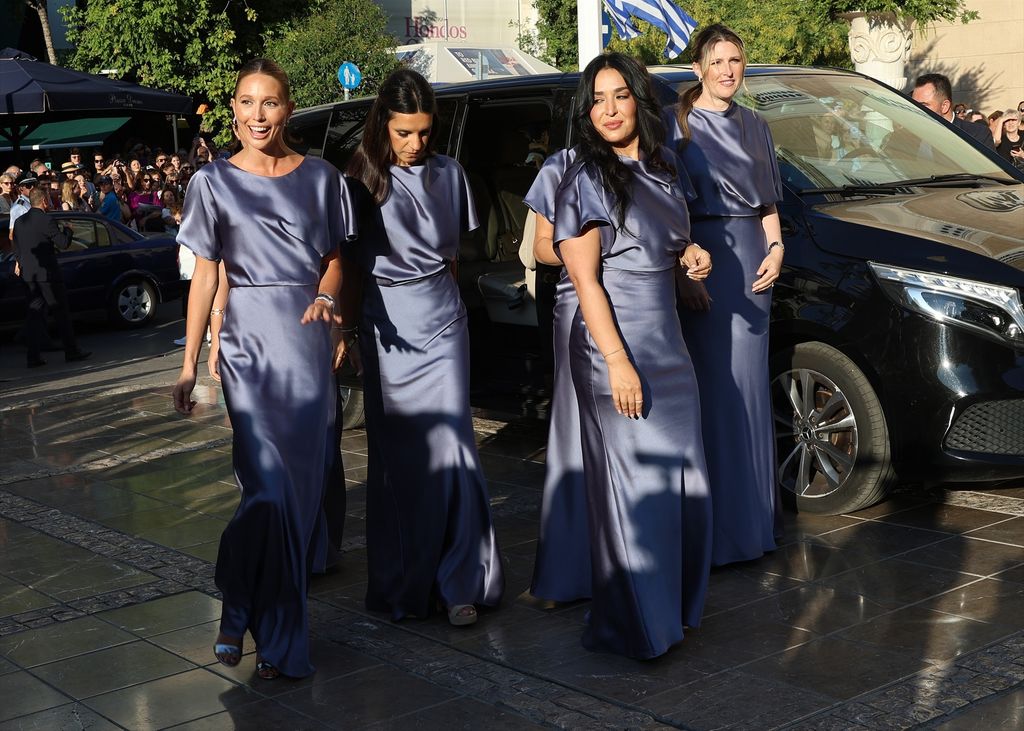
x=977 y=130
x=37 y=238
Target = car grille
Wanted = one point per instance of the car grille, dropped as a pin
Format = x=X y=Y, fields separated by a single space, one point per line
x=992 y=427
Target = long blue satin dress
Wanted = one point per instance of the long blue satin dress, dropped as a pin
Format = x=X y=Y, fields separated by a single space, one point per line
x=429 y=534
x=649 y=510
x=731 y=161
x=272 y=234
x=561 y=571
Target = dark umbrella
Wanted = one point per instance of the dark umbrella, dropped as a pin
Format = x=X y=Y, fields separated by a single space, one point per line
x=33 y=92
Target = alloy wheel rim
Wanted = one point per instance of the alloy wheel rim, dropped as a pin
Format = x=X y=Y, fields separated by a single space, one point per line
x=816 y=434
x=134 y=303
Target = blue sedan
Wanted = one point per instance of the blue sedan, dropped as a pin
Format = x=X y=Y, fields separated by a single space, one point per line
x=108 y=268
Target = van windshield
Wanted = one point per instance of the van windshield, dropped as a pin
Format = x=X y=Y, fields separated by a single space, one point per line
x=833 y=131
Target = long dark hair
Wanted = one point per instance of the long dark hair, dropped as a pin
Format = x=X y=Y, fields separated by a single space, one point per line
x=403 y=92
x=596 y=151
x=702 y=44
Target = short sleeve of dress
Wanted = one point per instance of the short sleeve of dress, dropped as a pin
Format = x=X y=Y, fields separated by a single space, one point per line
x=772 y=168
x=467 y=218
x=361 y=206
x=198 y=229
x=342 y=227
x=577 y=204
x=541 y=196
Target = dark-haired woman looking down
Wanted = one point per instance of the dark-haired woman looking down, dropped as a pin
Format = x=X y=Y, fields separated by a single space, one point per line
x=428 y=522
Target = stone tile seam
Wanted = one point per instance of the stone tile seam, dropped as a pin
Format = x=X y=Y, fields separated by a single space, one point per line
x=910 y=681
x=93 y=529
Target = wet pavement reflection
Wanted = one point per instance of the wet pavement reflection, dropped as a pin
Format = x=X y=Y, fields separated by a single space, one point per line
x=911 y=612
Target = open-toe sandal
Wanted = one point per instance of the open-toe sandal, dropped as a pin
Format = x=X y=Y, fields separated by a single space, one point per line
x=458 y=616
x=228 y=653
x=266 y=670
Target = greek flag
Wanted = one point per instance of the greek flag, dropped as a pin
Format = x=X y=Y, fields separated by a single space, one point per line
x=664 y=15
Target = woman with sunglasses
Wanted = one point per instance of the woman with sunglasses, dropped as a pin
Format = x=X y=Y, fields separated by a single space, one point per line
x=144 y=202
x=7 y=195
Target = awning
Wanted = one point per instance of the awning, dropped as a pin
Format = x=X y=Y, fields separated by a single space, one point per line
x=73 y=133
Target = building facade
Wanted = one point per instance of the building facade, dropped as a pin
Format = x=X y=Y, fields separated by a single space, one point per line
x=984 y=59
x=496 y=23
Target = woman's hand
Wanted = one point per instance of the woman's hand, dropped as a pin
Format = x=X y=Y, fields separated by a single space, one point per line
x=693 y=295
x=319 y=311
x=769 y=270
x=213 y=359
x=627 y=393
x=182 y=393
x=696 y=261
x=347 y=348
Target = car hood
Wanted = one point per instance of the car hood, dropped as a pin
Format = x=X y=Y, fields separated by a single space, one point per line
x=987 y=222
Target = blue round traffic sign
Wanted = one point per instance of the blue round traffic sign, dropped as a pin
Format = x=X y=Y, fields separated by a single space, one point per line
x=349 y=75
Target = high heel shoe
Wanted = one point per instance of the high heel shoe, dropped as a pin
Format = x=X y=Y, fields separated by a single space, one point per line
x=227 y=653
x=266 y=670
x=459 y=617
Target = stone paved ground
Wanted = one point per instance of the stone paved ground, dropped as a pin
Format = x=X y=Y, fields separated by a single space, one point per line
x=908 y=614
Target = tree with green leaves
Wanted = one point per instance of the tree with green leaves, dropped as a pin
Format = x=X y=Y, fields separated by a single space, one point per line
x=802 y=32
x=191 y=47
x=313 y=47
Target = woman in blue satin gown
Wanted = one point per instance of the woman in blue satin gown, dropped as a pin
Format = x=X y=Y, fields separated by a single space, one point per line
x=561 y=571
x=429 y=536
x=622 y=231
x=273 y=360
x=728 y=152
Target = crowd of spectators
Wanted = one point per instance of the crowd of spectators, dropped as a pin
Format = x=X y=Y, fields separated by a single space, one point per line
x=1003 y=125
x=143 y=188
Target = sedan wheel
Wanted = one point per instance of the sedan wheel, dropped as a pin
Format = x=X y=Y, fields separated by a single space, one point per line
x=133 y=303
x=832 y=440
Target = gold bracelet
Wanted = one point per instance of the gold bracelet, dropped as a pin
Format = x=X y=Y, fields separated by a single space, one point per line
x=216 y=311
x=606 y=355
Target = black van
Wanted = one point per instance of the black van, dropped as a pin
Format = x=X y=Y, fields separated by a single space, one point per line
x=897 y=324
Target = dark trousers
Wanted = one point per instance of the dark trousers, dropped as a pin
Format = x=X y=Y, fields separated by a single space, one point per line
x=43 y=297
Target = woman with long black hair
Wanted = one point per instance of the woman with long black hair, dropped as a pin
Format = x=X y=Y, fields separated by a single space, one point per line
x=622 y=230
x=428 y=523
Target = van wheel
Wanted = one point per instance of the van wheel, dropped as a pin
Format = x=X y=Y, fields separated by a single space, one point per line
x=352 y=415
x=133 y=303
x=831 y=436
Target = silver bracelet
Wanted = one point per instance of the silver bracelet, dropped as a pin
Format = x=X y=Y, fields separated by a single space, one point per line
x=324 y=297
x=217 y=311
x=773 y=244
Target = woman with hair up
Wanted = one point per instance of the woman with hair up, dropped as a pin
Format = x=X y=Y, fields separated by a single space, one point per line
x=272 y=355
x=622 y=230
x=728 y=152
x=429 y=537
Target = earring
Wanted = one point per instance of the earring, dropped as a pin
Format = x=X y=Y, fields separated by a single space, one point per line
x=234 y=123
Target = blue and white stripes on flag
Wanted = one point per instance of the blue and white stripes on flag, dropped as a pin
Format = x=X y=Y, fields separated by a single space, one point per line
x=664 y=15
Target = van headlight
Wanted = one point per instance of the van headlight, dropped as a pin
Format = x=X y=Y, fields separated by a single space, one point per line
x=989 y=310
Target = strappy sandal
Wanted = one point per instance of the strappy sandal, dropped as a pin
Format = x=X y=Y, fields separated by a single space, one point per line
x=459 y=617
x=228 y=653
x=266 y=670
